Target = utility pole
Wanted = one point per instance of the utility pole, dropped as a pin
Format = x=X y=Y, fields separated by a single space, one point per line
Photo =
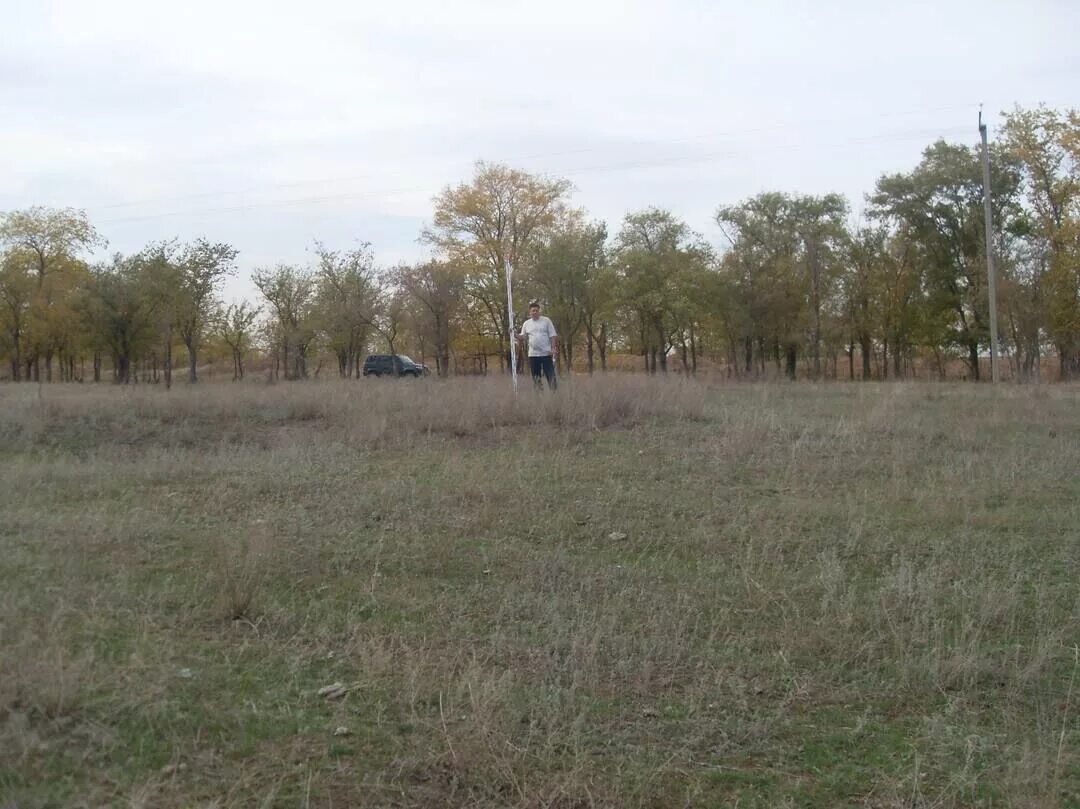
x=995 y=374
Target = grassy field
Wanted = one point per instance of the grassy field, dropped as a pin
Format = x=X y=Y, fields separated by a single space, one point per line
x=631 y=594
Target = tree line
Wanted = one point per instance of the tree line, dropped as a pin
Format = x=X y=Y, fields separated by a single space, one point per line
x=797 y=286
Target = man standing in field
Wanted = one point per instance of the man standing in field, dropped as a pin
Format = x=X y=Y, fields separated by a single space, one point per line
x=538 y=333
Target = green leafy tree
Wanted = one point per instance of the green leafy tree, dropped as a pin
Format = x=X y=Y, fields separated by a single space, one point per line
x=938 y=209
x=235 y=326
x=438 y=288
x=347 y=299
x=17 y=286
x=202 y=265
x=658 y=261
x=120 y=311
x=290 y=293
x=787 y=254
x=566 y=271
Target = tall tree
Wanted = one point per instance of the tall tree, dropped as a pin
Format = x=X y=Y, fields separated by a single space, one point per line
x=786 y=256
x=52 y=236
x=203 y=265
x=17 y=287
x=437 y=286
x=938 y=207
x=347 y=300
x=881 y=300
x=164 y=279
x=1045 y=145
x=290 y=293
x=235 y=326
x=566 y=267
x=53 y=239
x=659 y=261
x=492 y=219
x=119 y=310
x=819 y=223
x=391 y=315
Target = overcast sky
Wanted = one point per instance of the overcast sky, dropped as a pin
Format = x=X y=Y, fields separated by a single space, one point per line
x=270 y=124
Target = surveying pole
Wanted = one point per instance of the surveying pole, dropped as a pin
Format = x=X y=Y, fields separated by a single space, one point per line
x=510 y=318
x=991 y=276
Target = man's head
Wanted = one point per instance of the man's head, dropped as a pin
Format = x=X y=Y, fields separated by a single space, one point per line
x=534 y=309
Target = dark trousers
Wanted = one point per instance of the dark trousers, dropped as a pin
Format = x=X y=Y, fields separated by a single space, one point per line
x=545 y=366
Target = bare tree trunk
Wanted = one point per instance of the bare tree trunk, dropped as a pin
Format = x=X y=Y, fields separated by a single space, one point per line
x=1068 y=360
x=865 y=348
x=791 y=364
x=939 y=362
x=693 y=350
x=192 y=361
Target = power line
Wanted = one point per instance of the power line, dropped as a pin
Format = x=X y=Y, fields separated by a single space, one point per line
x=922 y=134
x=537 y=156
x=624 y=166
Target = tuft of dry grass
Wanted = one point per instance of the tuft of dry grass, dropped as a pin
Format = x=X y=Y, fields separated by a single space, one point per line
x=634 y=593
x=243 y=568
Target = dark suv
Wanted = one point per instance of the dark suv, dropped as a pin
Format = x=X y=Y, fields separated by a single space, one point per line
x=393 y=365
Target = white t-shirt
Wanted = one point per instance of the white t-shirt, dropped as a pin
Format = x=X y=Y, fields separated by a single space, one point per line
x=539 y=333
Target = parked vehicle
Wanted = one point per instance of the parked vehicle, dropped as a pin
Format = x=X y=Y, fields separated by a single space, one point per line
x=393 y=365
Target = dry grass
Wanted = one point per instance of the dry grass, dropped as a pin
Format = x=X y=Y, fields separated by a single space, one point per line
x=634 y=593
x=363 y=413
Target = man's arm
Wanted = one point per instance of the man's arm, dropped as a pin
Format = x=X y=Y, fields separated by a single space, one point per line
x=554 y=339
